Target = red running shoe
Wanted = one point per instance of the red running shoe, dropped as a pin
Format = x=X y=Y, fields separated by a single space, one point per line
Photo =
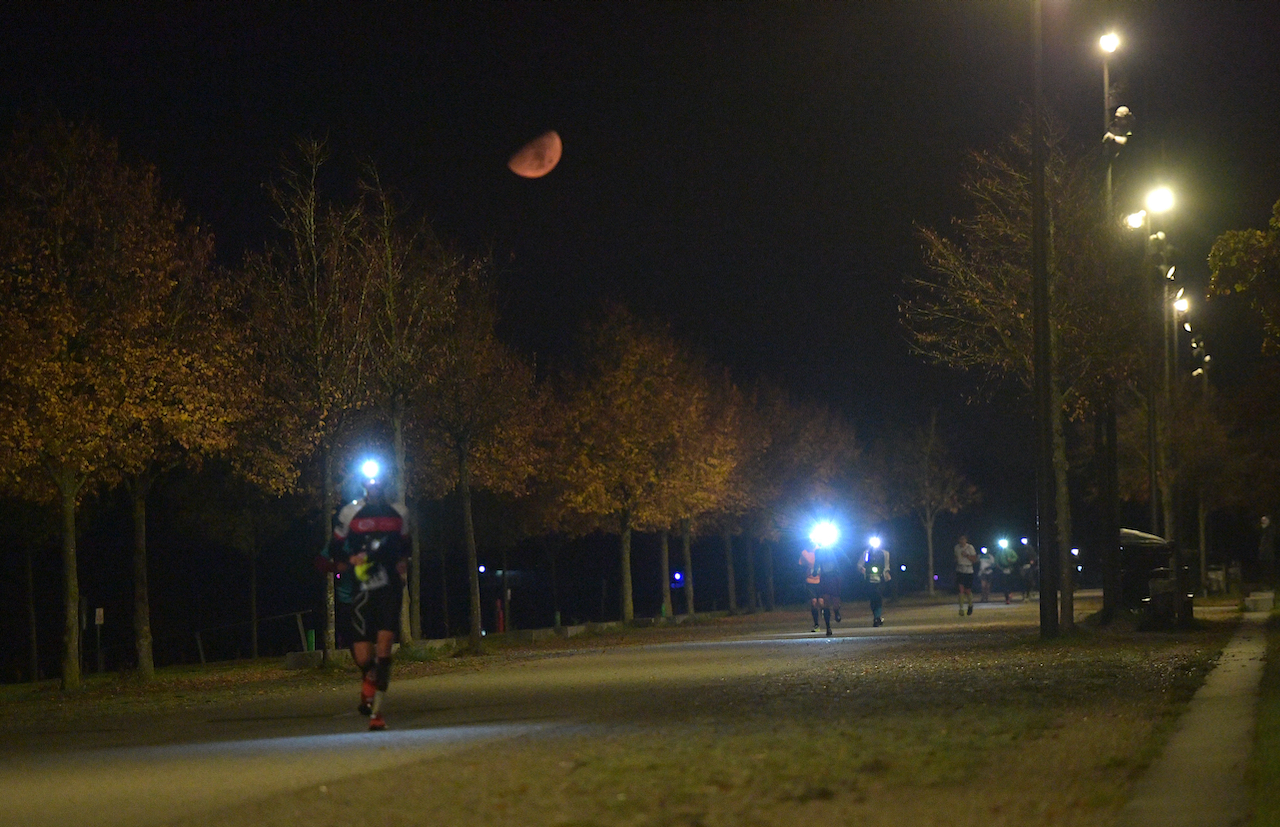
x=376 y=724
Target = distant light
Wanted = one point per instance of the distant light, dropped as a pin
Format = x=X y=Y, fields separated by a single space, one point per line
x=1160 y=199
x=935 y=577
x=482 y=569
x=1075 y=552
x=875 y=542
x=1002 y=542
x=1181 y=305
x=1024 y=541
x=678 y=576
x=824 y=534
x=982 y=550
x=904 y=568
x=1079 y=568
x=1136 y=220
x=1186 y=326
x=1109 y=42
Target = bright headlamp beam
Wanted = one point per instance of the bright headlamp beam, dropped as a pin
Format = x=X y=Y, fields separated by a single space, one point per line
x=370 y=469
x=824 y=534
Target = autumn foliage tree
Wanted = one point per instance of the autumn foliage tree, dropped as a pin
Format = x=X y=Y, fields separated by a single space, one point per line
x=91 y=254
x=1247 y=262
x=478 y=416
x=623 y=432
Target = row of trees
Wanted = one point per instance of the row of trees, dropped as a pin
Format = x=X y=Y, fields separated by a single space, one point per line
x=129 y=352
x=970 y=309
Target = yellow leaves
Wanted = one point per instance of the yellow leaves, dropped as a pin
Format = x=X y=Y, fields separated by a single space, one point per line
x=92 y=378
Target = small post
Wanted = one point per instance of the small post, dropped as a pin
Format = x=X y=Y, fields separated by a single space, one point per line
x=302 y=631
x=200 y=648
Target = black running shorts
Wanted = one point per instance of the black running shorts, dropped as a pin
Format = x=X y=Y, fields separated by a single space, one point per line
x=376 y=611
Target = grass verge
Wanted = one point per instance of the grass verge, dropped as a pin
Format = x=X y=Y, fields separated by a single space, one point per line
x=1265 y=767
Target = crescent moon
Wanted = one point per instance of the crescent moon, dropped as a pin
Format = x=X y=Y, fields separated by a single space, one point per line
x=538 y=157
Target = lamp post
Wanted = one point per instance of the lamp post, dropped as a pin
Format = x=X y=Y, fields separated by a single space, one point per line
x=1046 y=487
x=1159 y=200
x=1109 y=481
x=1108 y=43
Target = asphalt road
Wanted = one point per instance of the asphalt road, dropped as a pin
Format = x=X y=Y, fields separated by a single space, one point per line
x=150 y=771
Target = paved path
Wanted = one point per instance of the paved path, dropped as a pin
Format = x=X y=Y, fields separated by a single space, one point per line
x=1199 y=780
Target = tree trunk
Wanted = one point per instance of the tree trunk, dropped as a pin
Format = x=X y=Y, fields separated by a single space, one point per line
x=664 y=561
x=1062 y=499
x=928 y=544
x=771 y=598
x=444 y=587
x=253 y=594
x=1110 y=488
x=726 y=538
x=31 y=615
x=555 y=589
x=753 y=602
x=469 y=535
x=686 y=552
x=140 y=488
x=624 y=549
x=409 y=600
x=69 y=489
x=1202 y=514
x=327 y=512
x=507 y=625
x=415 y=571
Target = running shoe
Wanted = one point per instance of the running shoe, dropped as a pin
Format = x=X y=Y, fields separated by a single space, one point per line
x=837 y=615
x=377 y=724
x=814 y=629
x=970 y=609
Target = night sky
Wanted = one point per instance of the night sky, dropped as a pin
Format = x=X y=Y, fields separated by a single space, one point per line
x=749 y=172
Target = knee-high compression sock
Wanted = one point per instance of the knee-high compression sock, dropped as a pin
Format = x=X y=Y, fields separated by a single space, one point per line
x=826 y=617
x=815 y=615
x=382 y=678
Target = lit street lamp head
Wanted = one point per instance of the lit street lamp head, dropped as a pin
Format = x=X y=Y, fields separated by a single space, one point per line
x=1109 y=42
x=1160 y=200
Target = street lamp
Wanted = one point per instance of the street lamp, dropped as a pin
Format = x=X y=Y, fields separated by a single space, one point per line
x=1159 y=200
x=1109 y=43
